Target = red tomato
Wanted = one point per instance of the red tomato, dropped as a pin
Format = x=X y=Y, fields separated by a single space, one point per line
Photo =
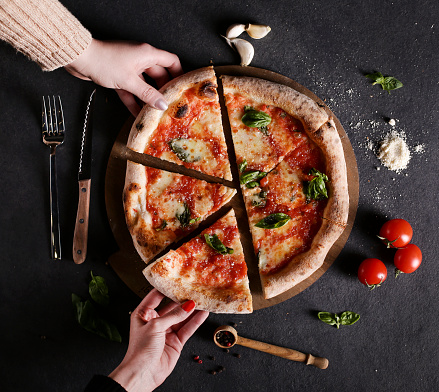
x=407 y=259
x=372 y=272
x=396 y=233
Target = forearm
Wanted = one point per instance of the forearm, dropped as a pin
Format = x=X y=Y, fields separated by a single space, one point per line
x=43 y=30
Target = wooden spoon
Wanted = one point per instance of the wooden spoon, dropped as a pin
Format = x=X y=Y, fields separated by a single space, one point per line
x=288 y=353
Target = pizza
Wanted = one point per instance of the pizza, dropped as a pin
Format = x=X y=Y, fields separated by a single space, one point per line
x=292 y=175
x=209 y=269
x=190 y=131
x=293 y=178
x=161 y=207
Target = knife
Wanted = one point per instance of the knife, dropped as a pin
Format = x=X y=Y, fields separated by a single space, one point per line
x=84 y=179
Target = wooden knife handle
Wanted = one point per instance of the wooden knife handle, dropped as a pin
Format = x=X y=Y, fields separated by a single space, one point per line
x=283 y=352
x=81 y=226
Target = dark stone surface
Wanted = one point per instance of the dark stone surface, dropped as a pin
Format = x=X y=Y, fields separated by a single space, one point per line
x=326 y=46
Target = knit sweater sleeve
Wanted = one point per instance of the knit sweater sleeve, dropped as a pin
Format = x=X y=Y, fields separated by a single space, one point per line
x=43 y=30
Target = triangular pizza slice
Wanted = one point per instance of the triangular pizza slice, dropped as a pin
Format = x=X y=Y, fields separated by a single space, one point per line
x=161 y=207
x=190 y=131
x=209 y=269
x=267 y=120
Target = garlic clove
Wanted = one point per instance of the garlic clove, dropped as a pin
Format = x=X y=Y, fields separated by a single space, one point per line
x=257 y=31
x=235 y=30
x=229 y=42
x=245 y=50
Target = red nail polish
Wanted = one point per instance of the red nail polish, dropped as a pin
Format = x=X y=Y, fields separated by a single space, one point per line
x=188 y=306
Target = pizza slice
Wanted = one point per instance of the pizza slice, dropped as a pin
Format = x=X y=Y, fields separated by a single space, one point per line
x=161 y=207
x=209 y=269
x=190 y=131
x=267 y=120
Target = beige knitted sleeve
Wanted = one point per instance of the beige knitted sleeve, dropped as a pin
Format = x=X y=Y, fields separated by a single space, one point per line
x=44 y=30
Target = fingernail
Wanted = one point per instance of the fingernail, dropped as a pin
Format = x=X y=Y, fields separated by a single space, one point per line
x=188 y=306
x=161 y=104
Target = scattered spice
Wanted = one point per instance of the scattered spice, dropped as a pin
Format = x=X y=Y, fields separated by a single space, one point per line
x=200 y=361
x=213 y=372
x=237 y=355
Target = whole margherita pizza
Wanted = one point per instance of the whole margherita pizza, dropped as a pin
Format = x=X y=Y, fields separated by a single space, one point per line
x=293 y=181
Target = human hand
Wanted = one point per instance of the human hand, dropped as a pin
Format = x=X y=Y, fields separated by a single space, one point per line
x=120 y=65
x=156 y=341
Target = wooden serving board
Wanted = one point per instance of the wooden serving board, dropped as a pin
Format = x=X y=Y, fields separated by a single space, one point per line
x=128 y=264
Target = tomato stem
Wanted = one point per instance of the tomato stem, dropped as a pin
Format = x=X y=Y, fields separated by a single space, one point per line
x=398 y=272
x=389 y=244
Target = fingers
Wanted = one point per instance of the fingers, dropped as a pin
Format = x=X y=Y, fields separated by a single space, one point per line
x=129 y=101
x=149 y=95
x=166 y=60
x=159 y=74
x=175 y=316
x=145 y=310
x=191 y=325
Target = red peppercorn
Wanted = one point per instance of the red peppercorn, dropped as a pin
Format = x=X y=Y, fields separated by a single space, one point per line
x=196 y=358
x=229 y=344
x=200 y=361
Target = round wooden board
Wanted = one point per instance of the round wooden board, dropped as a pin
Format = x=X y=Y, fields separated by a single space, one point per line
x=128 y=264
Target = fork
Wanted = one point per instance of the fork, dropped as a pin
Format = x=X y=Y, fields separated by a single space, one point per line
x=53 y=136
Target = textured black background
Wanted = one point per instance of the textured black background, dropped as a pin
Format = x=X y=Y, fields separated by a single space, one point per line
x=326 y=46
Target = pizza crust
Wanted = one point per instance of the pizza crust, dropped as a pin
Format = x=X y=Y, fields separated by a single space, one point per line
x=294 y=103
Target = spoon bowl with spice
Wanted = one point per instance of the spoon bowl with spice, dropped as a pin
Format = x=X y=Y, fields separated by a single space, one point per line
x=226 y=336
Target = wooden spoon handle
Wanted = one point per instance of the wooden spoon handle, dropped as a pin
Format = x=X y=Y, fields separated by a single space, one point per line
x=283 y=352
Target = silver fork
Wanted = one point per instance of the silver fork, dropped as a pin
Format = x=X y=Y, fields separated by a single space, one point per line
x=53 y=136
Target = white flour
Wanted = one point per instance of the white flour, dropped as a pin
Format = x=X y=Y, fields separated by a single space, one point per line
x=394 y=152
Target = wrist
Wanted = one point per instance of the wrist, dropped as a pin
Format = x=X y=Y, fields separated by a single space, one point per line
x=133 y=379
x=79 y=66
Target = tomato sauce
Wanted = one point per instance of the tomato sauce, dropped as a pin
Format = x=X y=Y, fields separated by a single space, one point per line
x=214 y=269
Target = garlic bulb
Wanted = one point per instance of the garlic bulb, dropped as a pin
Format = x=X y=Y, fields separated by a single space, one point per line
x=257 y=31
x=235 y=30
x=245 y=50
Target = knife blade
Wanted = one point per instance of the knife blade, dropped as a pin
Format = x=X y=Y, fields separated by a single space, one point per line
x=80 y=236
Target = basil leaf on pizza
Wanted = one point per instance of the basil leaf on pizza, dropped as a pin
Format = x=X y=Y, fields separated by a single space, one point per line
x=251 y=176
x=215 y=243
x=185 y=149
x=255 y=118
x=242 y=166
x=316 y=188
x=185 y=217
x=162 y=226
x=273 y=221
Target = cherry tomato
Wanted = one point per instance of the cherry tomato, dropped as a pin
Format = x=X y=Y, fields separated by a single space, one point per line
x=407 y=259
x=372 y=272
x=396 y=233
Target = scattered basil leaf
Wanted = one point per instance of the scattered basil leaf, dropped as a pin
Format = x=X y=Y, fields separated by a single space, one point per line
x=346 y=318
x=387 y=82
x=88 y=318
x=98 y=290
x=162 y=226
x=273 y=221
x=242 y=166
x=255 y=118
x=316 y=188
x=349 y=318
x=185 y=216
x=251 y=176
x=177 y=147
x=215 y=243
